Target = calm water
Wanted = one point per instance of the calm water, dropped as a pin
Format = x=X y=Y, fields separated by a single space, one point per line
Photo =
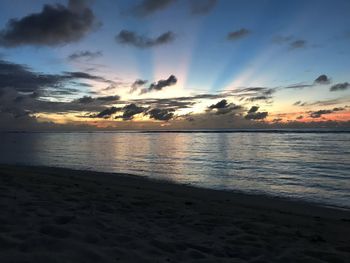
x=309 y=166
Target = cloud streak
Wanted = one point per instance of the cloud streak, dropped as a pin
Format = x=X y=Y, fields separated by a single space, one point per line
x=87 y=55
x=131 y=38
x=149 y=7
x=201 y=7
x=340 y=87
x=238 y=34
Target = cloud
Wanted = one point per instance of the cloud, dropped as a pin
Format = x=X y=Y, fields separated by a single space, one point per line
x=148 y=7
x=282 y=39
x=238 y=34
x=277 y=120
x=88 y=55
x=22 y=78
x=161 y=114
x=106 y=113
x=163 y=83
x=297 y=103
x=103 y=99
x=253 y=114
x=322 y=79
x=54 y=25
x=83 y=75
x=85 y=100
x=172 y=80
x=220 y=105
x=253 y=109
x=298 y=86
x=133 y=39
x=174 y=103
x=200 y=7
x=291 y=41
x=137 y=83
x=340 y=86
x=297 y=44
x=130 y=110
x=257 y=98
x=256 y=116
x=319 y=113
x=337 y=101
x=223 y=107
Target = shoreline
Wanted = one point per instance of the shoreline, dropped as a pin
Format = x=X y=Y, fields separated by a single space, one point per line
x=235 y=192
x=141 y=219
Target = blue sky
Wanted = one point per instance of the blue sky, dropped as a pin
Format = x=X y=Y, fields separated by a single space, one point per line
x=283 y=43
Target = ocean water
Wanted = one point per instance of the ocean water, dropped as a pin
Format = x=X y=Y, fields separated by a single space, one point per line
x=309 y=166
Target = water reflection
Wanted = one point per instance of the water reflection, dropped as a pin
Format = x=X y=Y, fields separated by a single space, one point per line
x=309 y=166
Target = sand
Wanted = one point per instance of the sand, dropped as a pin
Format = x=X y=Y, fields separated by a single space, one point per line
x=60 y=215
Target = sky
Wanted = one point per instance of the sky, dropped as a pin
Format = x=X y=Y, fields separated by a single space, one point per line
x=174 y=64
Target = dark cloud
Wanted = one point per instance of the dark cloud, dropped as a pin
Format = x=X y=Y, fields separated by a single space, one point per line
x=299 y=117
x=238 y=34
x=277 y=120
x=163 y=83
x=282 y=39
x=252 y=94
x=84 y=55
x=81 y=84
x=252 y=89
x=161 y=114
x=256 y=116
x=108 y=98
x=223 y=107
x=137 y=83
x=83 y=75
x=340 y=86
x=174 y=103
x=297 y=103
x=22 y=78
x=133 y=39
x=322 y=79
x=220 y=105
x=298 y=86
x=319 y=113
x=110 y=87
x=253 y=109
x=130 y=110
x=103 y=99
x=257 y=98
x=148 y=7
x=107 y=112
x=341 y=100
x=172 y=80
x=54 y=25
x=253 y=114
x=56 y=92
x=291 y=41
x=297 y=44
x=86 y=100
x=200 y=7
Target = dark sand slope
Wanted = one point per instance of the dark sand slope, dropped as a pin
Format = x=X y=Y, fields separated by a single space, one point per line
x=59 y=215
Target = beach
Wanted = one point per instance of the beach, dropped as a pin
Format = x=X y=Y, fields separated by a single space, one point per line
x=62 y=215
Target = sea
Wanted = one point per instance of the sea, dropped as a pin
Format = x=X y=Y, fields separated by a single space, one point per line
x=312 y=166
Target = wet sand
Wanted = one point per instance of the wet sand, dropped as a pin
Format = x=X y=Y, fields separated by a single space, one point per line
x=61 y=215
